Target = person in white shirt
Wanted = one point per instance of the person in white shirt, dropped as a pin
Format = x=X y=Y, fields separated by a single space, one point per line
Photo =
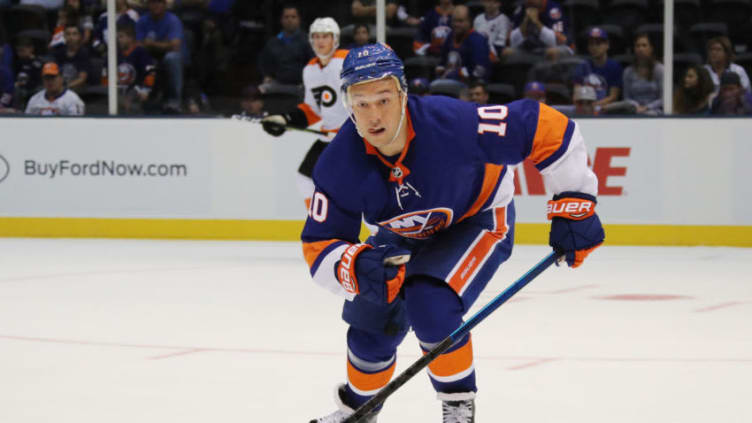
x=495 y=26
x=55 y=99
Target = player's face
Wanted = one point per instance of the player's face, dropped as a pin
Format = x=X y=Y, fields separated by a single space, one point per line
x=322 y=43
x=377 y=107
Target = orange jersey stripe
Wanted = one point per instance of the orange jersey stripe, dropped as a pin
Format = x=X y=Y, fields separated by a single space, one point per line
x=309 y=113
x=457 y=361
x=482 y=248
x=490 y=178
x=549 y=133
x=369 y=381
x=311 y=250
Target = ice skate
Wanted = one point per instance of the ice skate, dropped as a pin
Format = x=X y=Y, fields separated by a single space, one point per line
x=458 y=410
x=344 y=411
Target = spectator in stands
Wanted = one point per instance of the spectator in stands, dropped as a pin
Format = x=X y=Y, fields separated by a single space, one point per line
x=535 y=90
x=361 y=36
x=692 y=97
x=643 y=80
x=161 y=32
x=284 y=56
x=124 y=15
x=434 y=29
x=584 y=100
x=495 y=26
x=540 y=28
x=364 y=11
x=721 y=59
x=136 y=70
x=73 y=58
x=418 y=86
x=732 y=98
x=65 y=16
x=604 y=74
x=252 y=102
x=28 y=70
x=465 y=52
x=54 y=99
x=85 y=21
x=6 y=90
x=478 y=92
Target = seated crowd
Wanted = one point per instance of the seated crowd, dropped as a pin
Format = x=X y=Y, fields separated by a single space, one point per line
x=222 y=57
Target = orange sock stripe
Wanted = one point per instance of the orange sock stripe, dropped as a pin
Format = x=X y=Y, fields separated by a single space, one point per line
x=457 y=361
x=369 y=381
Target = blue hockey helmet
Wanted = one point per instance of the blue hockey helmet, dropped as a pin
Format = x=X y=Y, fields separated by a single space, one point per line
x=372 y=62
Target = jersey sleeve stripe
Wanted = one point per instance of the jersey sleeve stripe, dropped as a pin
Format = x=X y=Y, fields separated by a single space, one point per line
x=491 y=179
x=310 y=115
x=561 y=150
x=549 y=133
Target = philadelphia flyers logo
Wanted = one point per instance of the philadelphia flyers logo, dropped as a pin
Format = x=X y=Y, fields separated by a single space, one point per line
x=420 y=224
x=324 y=95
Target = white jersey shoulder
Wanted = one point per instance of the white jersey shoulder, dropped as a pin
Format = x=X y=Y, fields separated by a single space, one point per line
x=322 y=91
x=66 y=104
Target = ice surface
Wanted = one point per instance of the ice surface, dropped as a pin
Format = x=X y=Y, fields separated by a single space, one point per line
x=195 y=331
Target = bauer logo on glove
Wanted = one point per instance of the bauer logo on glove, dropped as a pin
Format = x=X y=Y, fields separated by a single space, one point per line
x=575 y=228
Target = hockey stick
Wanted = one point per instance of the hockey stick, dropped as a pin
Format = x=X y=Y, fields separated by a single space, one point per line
x=257 y=120
x=364 y=410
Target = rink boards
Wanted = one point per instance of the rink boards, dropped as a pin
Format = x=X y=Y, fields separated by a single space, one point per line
x=663 y=181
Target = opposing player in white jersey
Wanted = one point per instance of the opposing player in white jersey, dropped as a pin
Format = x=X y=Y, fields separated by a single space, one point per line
x=321 y=103
x=54 y=99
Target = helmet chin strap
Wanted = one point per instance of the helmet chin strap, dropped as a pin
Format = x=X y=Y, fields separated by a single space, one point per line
x=402 y=119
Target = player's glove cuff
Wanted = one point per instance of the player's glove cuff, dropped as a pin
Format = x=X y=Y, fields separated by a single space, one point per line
x=346 y=273
x=576 y=229
x=274 y=125
x=571 y=205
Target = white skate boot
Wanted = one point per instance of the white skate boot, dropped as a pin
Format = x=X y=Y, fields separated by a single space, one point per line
x=458 y=408
x=344 y=411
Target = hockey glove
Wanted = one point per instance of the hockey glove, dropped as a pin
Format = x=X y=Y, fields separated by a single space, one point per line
x=575 y=228
x=274 y=125
x=363 y=270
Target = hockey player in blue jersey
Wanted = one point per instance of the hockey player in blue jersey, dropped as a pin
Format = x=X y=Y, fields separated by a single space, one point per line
x=433 y=174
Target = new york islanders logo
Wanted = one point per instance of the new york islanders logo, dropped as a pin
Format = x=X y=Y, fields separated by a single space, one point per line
x=324 y=96
x=420 y=224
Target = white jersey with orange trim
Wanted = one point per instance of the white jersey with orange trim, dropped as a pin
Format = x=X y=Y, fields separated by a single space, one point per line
x=322 y=100
x=454 y=167
x=67 y=103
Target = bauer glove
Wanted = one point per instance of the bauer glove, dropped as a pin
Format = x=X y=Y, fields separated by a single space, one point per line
x=575 y=228
x=365 y=270
x=274 y=125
